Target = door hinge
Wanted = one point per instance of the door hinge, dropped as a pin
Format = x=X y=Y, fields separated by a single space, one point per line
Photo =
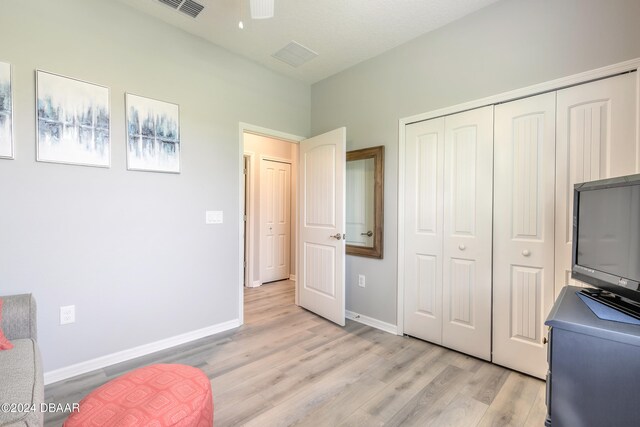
x=244 y=217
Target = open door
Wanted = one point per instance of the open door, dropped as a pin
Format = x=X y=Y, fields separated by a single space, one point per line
x=322 y=224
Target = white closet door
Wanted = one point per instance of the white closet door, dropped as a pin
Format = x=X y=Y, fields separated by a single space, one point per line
x=275 y=223
x=523 y=217
x=424 y=143
x=596 y=138
x=468 y=173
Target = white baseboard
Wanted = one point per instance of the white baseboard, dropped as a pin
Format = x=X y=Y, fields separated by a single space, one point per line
x=370 y=321
x=122 y=356
x=255 y=284
x=292 y=277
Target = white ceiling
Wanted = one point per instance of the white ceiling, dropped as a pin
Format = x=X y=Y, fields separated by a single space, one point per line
x=342 y=32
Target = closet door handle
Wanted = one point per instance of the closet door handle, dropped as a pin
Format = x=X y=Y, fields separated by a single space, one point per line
x=337 y=236
x=462 y=247
x=526 y=252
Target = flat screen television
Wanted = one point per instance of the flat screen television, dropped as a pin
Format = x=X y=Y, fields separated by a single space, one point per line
x=606 y=241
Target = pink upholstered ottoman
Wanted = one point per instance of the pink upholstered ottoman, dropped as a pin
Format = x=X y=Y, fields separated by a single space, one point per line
x=154 y=396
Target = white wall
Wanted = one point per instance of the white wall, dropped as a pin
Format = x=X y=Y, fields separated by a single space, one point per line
x=509 y=45
x=129 y=249
x=260 y=147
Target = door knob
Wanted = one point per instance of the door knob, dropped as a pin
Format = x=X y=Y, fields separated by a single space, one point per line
x=526 y=252
x=336 y=236
x=368 y=233
x=462 y=247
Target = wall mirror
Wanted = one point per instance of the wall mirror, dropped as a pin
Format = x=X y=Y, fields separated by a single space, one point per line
x=364 y=210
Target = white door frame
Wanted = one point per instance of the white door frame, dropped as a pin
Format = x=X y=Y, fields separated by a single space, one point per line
x=599 y=73
x=250 y=229
x=270 y=133
x=247 y=190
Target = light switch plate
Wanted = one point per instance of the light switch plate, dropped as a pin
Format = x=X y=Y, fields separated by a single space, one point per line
x=214 y=217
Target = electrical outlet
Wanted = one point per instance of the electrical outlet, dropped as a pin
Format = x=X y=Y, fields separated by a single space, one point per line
x=67 y=314
x=361 y=280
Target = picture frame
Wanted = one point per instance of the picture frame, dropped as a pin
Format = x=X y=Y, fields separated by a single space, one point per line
x=153 y=134
x=6 y=112
x=73 y=121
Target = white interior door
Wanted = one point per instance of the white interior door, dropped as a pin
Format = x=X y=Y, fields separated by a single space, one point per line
x=468 y=184
x=596 y=139
x=424 y=154
x=275 y=220
x=523 y=259
x=322 y=225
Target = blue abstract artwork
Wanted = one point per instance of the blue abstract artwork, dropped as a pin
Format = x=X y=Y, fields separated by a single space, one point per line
x=6 y=112
x=153 y=135
x=73 y=121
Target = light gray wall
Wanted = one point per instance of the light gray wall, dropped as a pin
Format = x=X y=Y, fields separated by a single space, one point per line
x=129 y=249
x=509 y=45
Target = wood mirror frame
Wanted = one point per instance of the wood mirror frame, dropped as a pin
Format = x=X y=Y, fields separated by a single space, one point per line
x=377 y=154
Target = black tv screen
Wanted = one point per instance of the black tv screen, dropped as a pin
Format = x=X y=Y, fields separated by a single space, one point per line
x=606 y=235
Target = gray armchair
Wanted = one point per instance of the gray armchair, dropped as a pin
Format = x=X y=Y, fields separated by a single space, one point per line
x=19 y=318
x=21 y=376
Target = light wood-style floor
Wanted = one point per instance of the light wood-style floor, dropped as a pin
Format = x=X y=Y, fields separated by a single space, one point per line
x=286 y=366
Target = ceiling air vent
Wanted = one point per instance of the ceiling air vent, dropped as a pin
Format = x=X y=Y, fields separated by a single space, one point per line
x=191 y=8
x=188 y=7
x=295 y=54
x=173 y=3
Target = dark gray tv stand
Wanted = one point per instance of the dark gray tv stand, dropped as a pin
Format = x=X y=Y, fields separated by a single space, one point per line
x=594 y=367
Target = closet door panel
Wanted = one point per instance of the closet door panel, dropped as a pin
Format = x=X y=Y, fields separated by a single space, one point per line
x=468 y=171
x=523 y=236
x=424 y=143
x=596 y=138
